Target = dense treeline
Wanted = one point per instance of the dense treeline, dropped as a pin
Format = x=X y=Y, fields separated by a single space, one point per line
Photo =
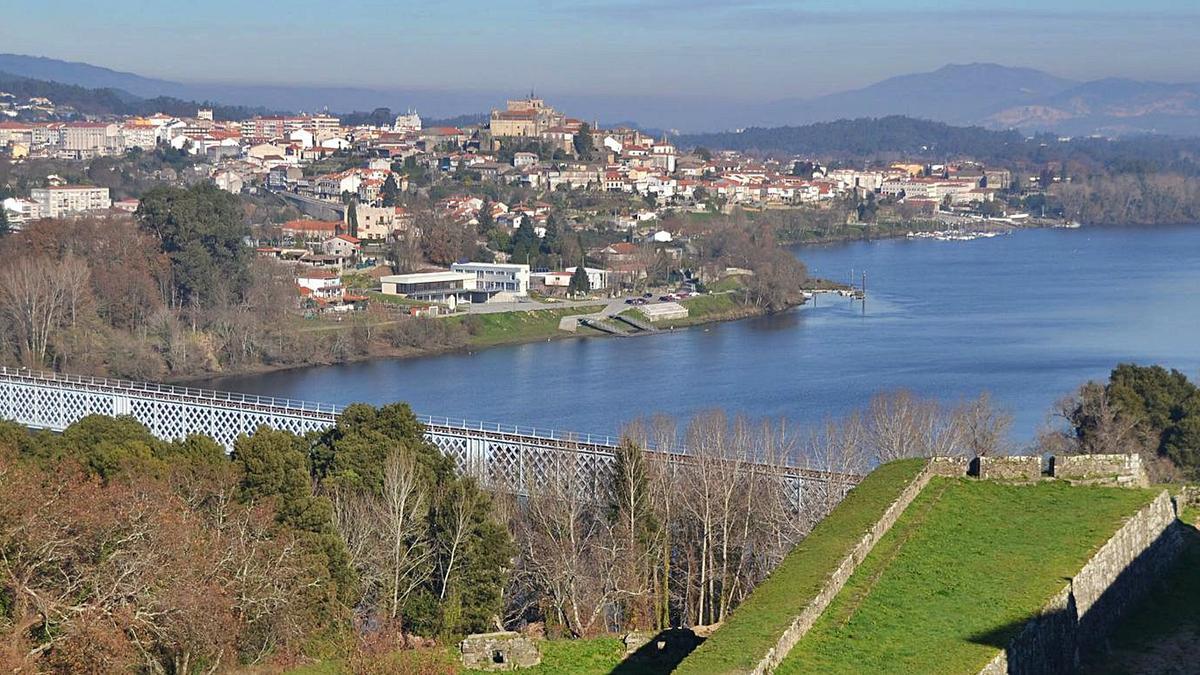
x=1129 y=199
x=124 y=552
x=866 y=137
x=1144 y=409
x=904 y=137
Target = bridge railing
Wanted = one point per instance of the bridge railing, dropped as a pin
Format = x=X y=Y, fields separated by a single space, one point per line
x=518 y=430
x=579 y=442
x=166 y=390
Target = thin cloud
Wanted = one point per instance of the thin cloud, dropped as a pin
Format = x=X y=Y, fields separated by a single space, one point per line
x=758 y=14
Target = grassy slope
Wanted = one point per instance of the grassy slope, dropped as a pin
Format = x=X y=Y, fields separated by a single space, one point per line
x=967 y=564
x=755 y=626
x=500 y=328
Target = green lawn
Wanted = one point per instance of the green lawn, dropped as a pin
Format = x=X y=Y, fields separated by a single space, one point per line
x=388 y=299
x=493 y=329
x=732 y=282
x=576 y=657
x=966 y=565
x=756 y=625
x=593 y=656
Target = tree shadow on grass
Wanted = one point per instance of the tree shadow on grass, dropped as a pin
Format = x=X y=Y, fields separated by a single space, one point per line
x=1053 y=640
x=661 y=654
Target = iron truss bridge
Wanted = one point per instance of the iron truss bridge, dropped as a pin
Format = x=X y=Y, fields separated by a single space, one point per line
x=508 y=458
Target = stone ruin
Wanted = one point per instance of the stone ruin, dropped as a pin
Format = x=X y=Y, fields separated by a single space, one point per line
x=1016 y=469
x=1120 y=470
x=505 y=650
x=1115 y=470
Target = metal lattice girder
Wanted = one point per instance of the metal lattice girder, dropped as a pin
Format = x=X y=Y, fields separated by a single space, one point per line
x=503 y=458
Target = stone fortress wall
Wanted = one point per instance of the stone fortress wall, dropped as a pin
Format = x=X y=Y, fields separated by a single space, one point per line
x=1086 y=609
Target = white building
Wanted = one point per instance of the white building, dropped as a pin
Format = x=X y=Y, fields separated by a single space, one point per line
x=229 y=181
x=507 y=281
x=63 y=199
x=321 y=284
x=447 y=288
x=21 y=211
x=410 y=121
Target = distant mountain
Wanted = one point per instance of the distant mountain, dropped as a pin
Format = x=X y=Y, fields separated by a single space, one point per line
x=1112 y=107
x=1001 y=97
x=108 y=101
x=866 y=137
x=954 y=94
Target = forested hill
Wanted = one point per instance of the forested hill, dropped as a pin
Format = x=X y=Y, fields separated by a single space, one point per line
x=109 y=101
x=909 y=138
x=863 y=137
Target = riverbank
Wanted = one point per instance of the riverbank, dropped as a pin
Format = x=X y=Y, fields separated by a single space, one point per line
x=480 y=332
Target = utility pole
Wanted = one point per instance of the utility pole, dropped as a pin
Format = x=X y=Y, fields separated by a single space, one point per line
x=864 y=292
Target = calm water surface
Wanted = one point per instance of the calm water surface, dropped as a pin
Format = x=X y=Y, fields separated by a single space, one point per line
x=1027 y=317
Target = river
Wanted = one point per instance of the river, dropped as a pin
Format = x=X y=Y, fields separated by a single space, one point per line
x=1027 y=317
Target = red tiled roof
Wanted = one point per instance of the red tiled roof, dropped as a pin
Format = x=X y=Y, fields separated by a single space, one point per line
x=305 y=225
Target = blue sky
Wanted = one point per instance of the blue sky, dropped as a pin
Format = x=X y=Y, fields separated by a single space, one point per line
x=730 y=49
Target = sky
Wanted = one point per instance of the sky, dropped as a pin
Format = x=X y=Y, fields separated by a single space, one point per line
x=727 y=49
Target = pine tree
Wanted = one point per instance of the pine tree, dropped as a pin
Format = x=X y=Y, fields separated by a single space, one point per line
x=524 y=242
x=551 y=243
x=579 y=281
x=390 y=191
x=352 y=217
x=583 y=142
x=5 y=228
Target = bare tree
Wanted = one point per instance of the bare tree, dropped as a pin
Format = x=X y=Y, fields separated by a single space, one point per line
x=386 y=535
x=403 y=512
x=39 y=295
x=568 y=552
x=901 y=425
x=462 y=504
x=984 y=428
x=1098 y=426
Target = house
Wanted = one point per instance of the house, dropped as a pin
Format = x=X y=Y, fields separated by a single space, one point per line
x=620 y=252
x=21 y=211
x=323 y=285
x=524 y=159
x=380 y=222
x=341 y=245
x=229 y=181
x=311 y=229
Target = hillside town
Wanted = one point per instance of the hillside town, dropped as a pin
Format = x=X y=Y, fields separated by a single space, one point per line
x=353 y=188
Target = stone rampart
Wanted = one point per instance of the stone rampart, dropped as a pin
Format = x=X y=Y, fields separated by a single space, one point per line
x=1085 y=611
x=1116 y=470
x=1017 y=469
x=951 y=467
